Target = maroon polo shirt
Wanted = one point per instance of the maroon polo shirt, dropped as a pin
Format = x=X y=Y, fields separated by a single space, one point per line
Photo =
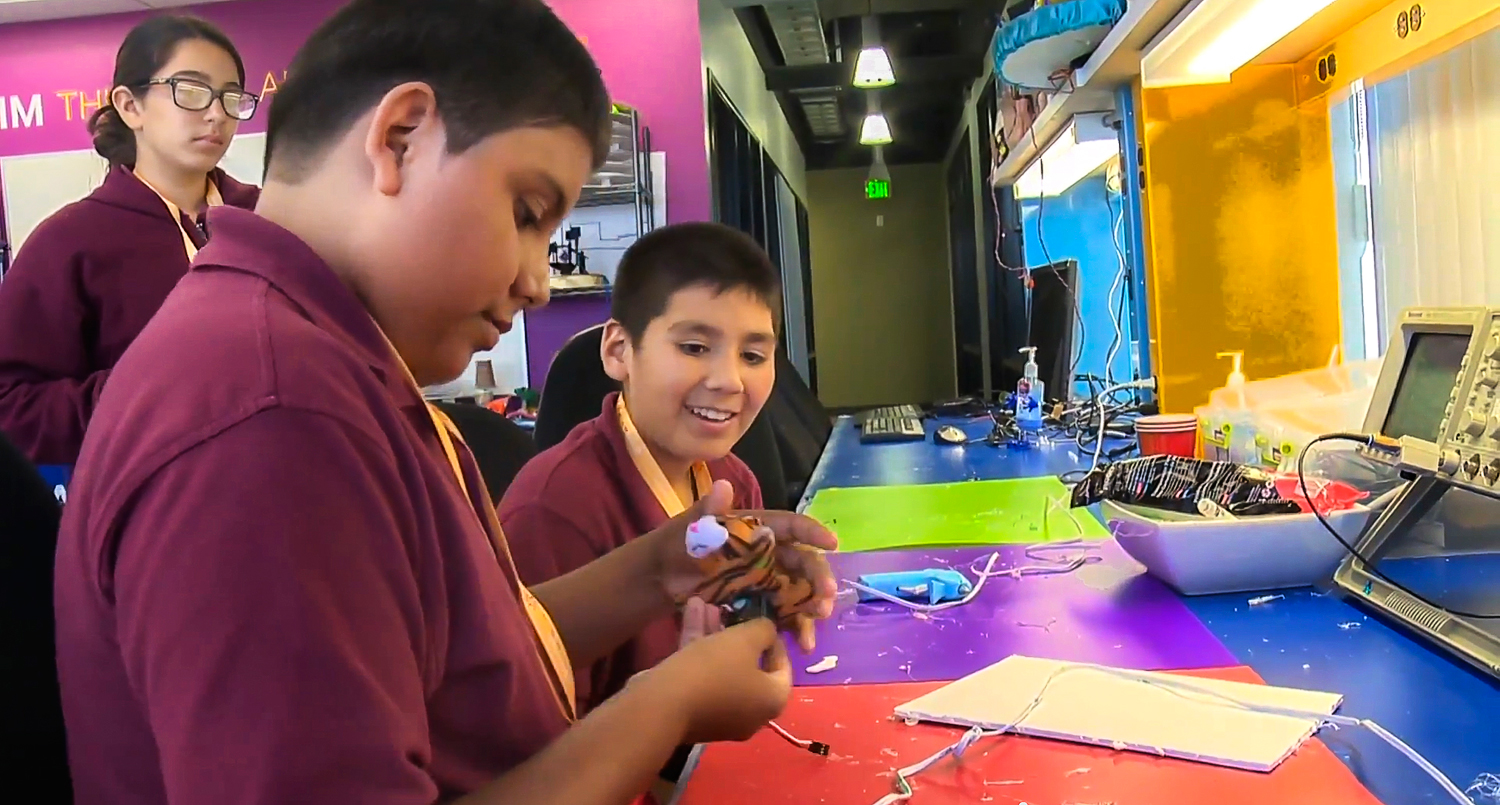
x=583 y=498
x=269 y=587
x=80 y=290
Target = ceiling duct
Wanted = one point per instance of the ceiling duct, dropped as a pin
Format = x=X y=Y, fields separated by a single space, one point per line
x=798 y=29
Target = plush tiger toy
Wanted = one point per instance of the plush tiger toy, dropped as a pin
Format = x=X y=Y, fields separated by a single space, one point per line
x=738 y=557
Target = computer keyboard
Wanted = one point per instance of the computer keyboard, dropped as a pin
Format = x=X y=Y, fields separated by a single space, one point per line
x=892 y=429
x=892 y=412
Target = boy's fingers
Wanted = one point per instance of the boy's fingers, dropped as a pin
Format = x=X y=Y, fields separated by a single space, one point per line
x=759 y=633
x=800 y=529
x=813 y=566
x=775 y=659
x=778 y=668
x=718 y=500
x=694 y=622
x=807 y=638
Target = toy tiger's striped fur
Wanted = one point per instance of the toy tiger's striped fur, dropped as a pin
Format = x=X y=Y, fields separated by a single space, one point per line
x=747 y=563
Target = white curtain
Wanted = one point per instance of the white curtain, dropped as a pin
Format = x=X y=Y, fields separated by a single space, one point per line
x=1434 y=166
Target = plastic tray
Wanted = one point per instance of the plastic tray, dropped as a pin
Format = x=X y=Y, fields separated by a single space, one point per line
x=1200 y=556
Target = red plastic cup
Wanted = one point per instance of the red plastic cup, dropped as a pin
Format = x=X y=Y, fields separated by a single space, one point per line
x=1168 y=435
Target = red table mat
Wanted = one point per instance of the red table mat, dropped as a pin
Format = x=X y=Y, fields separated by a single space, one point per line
x=867 y=746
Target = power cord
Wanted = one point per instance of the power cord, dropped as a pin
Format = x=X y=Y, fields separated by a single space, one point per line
x=815 y=747
x=1368 y=441
x=1144 y=383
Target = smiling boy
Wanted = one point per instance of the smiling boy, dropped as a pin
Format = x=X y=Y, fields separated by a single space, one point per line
x=692 y=341
x=279 y=577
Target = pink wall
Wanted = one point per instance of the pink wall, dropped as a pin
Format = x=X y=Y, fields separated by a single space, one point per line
x=66 y=62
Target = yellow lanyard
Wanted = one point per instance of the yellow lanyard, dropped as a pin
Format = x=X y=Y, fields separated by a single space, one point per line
x=655 y=479
x=555 y=652
x=213 y=199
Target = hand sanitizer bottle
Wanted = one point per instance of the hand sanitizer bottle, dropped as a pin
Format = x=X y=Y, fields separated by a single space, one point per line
x=1029 y=395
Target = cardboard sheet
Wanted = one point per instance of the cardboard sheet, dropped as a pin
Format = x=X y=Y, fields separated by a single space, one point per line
x=867 y=744
x=1089 y=704
x=1012 y=512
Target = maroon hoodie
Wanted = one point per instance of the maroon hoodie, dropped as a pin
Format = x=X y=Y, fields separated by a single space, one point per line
x=82 y=287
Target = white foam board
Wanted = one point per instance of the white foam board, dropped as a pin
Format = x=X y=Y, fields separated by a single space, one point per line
x=1165 y=714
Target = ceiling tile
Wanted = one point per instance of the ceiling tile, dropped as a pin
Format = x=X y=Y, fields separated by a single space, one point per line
x=32 y=10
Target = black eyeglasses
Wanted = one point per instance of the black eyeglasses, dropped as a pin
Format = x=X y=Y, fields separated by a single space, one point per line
x=196 y=96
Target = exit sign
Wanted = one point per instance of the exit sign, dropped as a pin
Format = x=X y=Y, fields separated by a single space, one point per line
x=878 y=188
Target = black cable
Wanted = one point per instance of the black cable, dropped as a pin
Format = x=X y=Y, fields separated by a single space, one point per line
x=1368 y=441
x=1041 y=210
x=1075 y=287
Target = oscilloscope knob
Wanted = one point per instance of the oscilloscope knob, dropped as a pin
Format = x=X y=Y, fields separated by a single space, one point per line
x=1472 y=423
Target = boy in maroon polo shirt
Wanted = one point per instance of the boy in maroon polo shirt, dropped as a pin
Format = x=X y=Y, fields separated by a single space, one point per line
x=692 y=342
x=279 y=579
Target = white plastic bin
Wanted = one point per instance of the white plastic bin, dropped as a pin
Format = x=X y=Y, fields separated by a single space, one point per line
x=1202 y=556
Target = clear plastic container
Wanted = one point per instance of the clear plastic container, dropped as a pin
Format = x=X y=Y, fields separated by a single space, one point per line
x=1227 y=434
x=1296 y=426
x=1281 y=415
x=1315 y=383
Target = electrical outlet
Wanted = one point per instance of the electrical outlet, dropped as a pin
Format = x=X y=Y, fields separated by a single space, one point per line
x=880 y=220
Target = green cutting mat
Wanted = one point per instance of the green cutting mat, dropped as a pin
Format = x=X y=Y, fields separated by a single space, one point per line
x=1011 y=512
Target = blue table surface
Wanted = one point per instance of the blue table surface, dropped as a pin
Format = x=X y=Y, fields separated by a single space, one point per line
x=846 y=462
x=1308 y=639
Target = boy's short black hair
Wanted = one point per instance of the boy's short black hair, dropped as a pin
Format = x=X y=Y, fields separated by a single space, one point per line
x=494 y=65
x=679 y=256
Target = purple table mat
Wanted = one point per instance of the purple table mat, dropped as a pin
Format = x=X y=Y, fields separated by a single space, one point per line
x=1109 y=612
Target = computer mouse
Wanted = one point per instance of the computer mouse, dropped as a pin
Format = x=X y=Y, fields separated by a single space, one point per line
x=950 y=434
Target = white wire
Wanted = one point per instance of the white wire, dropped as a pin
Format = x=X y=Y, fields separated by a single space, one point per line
x=779 y=730
x=1050 y=567
x=1182 y=689
x=1074 y=293
x=916 y=607
x=1114 y=236
x=956 y=750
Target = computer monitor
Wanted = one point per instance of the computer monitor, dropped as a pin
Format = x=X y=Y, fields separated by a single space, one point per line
x=1053 y=319
x=1431 y=559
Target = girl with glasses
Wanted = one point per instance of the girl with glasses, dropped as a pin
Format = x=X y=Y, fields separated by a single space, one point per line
x=89 y=277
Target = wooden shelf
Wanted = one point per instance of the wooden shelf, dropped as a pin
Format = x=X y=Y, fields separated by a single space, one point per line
x=1116 y=62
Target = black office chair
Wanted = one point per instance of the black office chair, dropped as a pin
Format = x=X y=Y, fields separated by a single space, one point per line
x=31 y=729
x=574 y=393
x=500 y=446
x=575 y=389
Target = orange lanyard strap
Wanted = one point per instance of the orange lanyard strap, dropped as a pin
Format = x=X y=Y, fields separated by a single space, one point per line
x=214 y=199
x=655 y=479
x=554 y=652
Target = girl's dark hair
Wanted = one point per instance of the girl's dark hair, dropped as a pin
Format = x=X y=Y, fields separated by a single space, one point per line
x=146 y=49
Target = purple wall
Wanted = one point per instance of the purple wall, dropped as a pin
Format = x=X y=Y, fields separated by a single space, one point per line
x=68 y=61
x=551 y=327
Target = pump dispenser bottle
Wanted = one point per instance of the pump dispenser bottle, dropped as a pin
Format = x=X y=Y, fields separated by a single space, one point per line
x=1236 y=380
x=1030 y=392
